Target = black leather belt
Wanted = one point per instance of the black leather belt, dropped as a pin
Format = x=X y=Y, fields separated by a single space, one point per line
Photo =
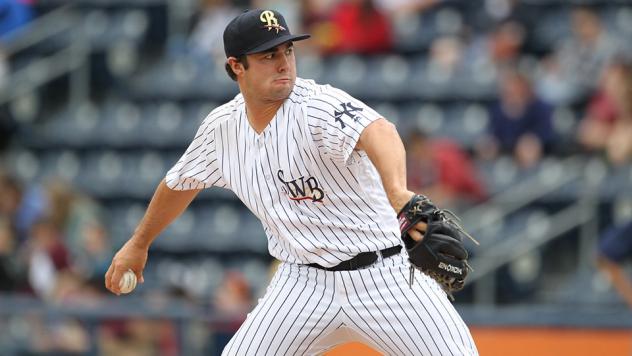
x=361 y=260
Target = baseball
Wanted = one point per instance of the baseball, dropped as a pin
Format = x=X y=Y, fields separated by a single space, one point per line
x=128 y=282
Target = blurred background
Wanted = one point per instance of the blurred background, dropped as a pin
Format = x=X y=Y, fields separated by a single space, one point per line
x=516 y=114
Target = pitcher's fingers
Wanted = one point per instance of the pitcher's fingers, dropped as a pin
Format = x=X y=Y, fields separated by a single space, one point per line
x=116 y=279
x=108 y=276
x=421 y=226
x=139 y=276
x=415 y=235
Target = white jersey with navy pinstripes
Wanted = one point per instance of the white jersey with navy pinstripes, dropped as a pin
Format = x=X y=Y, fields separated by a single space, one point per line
x=319 y=200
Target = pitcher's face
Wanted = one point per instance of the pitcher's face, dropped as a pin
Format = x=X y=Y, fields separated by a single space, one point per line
x=271 y=74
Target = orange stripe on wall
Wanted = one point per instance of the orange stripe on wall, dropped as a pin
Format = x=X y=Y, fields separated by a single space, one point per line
x=520 y=341
x=351 y=349
x=552 y=341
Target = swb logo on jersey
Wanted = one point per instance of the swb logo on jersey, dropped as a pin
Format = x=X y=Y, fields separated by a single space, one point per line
x=450 y=268
x=301 y=188
x=349 y=110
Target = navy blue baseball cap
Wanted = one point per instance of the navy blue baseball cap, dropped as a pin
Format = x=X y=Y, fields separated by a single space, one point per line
x=255 y=31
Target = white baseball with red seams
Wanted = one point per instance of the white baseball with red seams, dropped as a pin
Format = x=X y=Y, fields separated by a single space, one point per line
x=128 y=282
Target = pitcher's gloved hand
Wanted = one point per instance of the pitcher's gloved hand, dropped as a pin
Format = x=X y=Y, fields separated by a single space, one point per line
x=440 y=254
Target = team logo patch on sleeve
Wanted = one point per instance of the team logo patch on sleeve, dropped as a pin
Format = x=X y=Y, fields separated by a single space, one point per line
x=348 y=110
x=302 y=188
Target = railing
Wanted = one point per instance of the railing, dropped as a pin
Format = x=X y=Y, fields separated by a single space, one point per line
x=197 y=328
x=71 y=58
x=41 y=319
x=582 y=214
x=41 y=29
x=522 y=194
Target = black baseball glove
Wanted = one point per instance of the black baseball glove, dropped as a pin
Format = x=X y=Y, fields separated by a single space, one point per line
x=440 y=254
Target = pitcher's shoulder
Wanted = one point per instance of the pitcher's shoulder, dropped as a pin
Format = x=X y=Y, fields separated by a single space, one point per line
x=307 y=90
x=224 y=112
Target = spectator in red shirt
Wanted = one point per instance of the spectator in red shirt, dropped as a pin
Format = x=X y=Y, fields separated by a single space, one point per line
x=607 y=125
x=440 y=169
x=357 y=26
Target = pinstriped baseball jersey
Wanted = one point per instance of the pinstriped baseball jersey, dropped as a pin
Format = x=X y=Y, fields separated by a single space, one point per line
x=319 y=200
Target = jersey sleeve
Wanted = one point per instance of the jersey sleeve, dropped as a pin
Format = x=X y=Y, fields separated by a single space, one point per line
x=198 y=167
x=336 y=120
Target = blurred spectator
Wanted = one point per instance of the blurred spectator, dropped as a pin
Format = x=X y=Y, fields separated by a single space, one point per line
x=315 y=17
x=520 y=122
x=574 y=69
x=14 y=14
x=489 y=53
x=233 y=295
x=500 y=10
x=22 y=206
x=493 y=13
x=9 y=268
x=69 y=337
x=48 y=257
x=134 y=337
x=53 y=228
x=354 y=26
x=291 y=10
x=440 y=169
x=446 y=59
x=52 y=335
x=607 y=125
x=614 y=248
x=43 y=334
x=8 y=126
x=92 y=255
x=505 y=44
x=405 y=7
x=79 y=219
x=233 y=298
x=207 y=33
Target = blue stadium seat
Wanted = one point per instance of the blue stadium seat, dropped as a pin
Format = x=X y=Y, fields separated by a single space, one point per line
x=392 y=78
x=553 y=27
x=499 y=174
x=102 y=173
x=414 y=33
x=76 y=127
x=347 y=72
x=430 y=118
x=389 y=112
x=475 y=118
x=617 y=182
x=183 y=76
x=485 y=224
x=65 y=165
x=25 y=164
x=411 y=33
x=310 y=67
x=121 y=124
x=107 y=28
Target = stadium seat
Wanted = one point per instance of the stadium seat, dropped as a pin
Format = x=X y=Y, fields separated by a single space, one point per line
x=430 y=118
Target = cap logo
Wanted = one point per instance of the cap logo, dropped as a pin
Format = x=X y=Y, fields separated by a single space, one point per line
x=270 y=21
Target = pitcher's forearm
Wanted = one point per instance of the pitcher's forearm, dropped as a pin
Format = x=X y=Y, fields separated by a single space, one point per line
x=165 y=206
x=385 y=149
